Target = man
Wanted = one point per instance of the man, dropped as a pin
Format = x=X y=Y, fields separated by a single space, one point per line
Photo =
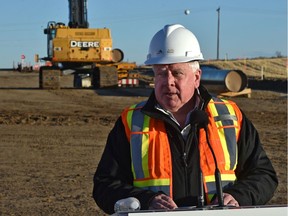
x=165 y=151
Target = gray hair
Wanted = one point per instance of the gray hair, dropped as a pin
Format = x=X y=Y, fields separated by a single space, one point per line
x=194 y=65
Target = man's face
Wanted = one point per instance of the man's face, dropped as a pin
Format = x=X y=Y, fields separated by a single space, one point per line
x=175 y=84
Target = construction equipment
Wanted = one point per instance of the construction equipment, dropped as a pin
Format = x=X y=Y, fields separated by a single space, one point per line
x=78 y=49
x=124 y=68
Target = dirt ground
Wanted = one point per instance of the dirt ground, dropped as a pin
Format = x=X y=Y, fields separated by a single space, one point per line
x=51 y=141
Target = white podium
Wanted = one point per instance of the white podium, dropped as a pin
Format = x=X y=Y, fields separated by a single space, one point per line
x=265 y=210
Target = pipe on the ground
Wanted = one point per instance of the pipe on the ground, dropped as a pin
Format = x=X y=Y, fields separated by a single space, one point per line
x=217 y=80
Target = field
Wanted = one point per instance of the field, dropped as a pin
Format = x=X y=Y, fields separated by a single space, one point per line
x=52 y=140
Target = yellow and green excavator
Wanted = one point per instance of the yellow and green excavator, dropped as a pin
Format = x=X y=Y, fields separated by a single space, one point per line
x=77 y=49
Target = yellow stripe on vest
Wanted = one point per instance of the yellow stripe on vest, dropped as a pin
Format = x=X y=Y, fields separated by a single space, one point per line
x=129 y=116
x=129 y=123
x=221 y=134
x=237 y=129
x=151 y=182
x=224 y=177
x=145 y=147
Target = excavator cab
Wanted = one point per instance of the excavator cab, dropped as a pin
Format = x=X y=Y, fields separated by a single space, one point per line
x=50 y=31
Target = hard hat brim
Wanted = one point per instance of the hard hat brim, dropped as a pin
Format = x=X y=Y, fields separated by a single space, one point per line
x=172 y=59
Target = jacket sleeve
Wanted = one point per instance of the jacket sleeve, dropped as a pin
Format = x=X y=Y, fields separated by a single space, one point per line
x=113 y=179
x=256 y=177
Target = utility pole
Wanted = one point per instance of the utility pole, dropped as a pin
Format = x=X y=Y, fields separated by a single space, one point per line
x=218 y=32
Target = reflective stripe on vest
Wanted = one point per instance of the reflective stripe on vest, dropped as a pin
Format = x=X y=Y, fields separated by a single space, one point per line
x=150 y=151
x=151 y=161
x=223 y=131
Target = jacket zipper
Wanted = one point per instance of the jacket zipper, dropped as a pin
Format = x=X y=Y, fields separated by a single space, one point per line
x=184 y=157
x=186 y=148
x=183 y=151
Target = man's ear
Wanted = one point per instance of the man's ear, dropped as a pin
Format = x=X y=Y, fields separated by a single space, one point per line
x=198 y=74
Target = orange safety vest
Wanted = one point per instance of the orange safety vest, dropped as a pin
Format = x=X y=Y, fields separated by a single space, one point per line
x=150 y=150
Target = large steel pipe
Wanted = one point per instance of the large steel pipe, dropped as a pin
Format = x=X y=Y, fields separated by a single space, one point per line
x=217 y=80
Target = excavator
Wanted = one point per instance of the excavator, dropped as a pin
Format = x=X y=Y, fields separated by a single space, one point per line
x=82 y=51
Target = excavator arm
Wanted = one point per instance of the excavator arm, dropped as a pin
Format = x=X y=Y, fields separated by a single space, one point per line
x=78 y=14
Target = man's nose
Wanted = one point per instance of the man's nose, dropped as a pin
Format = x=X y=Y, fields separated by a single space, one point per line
x=170 y=78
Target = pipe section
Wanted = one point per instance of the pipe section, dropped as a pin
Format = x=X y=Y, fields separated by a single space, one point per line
x=217 y=80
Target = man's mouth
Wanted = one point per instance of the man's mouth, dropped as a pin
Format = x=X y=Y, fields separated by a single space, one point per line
x=170 y=93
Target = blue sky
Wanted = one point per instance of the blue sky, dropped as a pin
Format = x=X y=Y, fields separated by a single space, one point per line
x=248 y=28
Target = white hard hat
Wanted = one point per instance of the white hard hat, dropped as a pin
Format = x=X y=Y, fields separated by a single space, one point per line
x=173 y=44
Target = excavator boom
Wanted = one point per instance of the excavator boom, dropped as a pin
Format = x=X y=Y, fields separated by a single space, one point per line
x=78 y=14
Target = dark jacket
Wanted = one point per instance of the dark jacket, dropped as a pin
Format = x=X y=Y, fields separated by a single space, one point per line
x=256 y=178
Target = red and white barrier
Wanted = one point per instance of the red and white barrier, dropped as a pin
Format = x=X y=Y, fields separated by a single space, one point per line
x=128 y=82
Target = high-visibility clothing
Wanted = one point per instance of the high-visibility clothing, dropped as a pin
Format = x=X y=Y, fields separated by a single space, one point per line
x=150 y=150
